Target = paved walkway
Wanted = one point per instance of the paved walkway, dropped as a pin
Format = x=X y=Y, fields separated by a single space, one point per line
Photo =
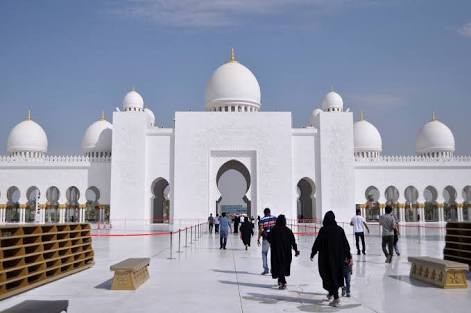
x=206 y=279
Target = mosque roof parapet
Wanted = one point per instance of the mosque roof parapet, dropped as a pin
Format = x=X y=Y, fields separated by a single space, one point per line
x=413 y=160
x=52 y=160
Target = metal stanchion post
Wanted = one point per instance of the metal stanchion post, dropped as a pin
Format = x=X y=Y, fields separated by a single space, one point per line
x=179 y=241
x=191 y=234
x=171 y=246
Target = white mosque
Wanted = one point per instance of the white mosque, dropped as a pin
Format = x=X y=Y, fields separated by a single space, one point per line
x=132 y=171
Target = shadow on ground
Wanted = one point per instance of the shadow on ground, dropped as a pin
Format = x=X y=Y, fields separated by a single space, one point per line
x=105 y=285
x=305 y=304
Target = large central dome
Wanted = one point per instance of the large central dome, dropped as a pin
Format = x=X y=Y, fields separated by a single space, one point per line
x=233 y=87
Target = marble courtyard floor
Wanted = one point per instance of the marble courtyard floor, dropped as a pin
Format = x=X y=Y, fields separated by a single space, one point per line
x=205 y=279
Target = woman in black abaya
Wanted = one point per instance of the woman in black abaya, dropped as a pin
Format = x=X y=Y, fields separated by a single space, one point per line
x=246 y=232
x=333 y=248
x=281 y=240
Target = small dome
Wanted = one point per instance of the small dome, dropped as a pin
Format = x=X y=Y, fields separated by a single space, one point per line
x=314 y=113
x=366 y=138
x=98 y=137
x=232 y=85
x=133 y=101
x=435 y=137
x=151 y=116
x=332 y=102
x=27 y=136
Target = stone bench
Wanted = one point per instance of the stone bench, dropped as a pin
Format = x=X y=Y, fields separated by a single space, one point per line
x=130 y=273
x=442 y=273
x=39 y=306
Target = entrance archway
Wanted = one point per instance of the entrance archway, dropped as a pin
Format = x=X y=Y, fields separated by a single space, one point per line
x=392 y=198
x=233 y=183
x=32 y=195
x=160 y=201
x=450 y=205
x=372 y=205
x=12 y=213
x=92 y=212
x=306 y=203
x=72 y=211
x=411 y=206
x=467 y=203
x=431 y=205
x=52 y=205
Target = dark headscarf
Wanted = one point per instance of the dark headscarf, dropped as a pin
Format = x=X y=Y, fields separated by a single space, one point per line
x=280 y=220
x=329 y=219
x=246 y=219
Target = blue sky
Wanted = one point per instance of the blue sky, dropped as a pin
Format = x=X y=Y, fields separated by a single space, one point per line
x=398 y=61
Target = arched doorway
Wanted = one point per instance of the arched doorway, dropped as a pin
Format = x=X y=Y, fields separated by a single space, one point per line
x=372 y=205
x=160 y=201
x=52 y=205
x=450 y=206
x=233 y=183
x=392 y=198
x=467 y=203
x=72 y=211
x=431 y=205
x=32 y=195
x=306 y=203
x=411 y=206
x=12 y=213
x=92 y=211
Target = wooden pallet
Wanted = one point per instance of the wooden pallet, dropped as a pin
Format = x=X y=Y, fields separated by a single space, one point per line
x=35 y=254
x=458 y=242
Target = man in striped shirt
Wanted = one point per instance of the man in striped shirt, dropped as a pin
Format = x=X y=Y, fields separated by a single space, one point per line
x=264 y=226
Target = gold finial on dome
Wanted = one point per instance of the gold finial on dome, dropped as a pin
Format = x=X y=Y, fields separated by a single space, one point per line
x=102 y=116
x=233 y=59
x=362 y=116
x=29 y=115
x=434 y=116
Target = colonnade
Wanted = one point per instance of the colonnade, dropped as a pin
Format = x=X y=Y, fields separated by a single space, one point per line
x=419 y=209
x=80 y=211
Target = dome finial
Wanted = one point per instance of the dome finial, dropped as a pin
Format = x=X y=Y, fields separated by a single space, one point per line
x=233 y=59
x=332 y=88
x=133 y=88
x=362 y=116
x=102 y=116
x=434 y=116
x=29 y=115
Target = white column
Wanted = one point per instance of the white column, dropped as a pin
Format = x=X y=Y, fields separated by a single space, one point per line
x=2 y=215
x=421 y=210
x=441 y=215
x=459 y=210
x=61 y=213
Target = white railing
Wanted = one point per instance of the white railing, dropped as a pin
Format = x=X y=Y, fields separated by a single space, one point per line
x=77 y=160
x=412 y=160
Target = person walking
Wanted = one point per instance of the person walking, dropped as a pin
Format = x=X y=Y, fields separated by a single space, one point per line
x=333 y=248
x=246 y=232
x=265 y=224
x=236 y=223
x=359 y=225
x=282 y=241
x=211 y=222
x=216 y=224
x=224 y=229
x=396 y=238
x=388 y=222
x=347 y=275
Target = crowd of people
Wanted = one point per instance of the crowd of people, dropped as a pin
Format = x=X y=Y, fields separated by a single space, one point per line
x=331 y=245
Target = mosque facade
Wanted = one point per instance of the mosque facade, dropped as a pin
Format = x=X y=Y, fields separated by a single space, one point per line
x=132 y=171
